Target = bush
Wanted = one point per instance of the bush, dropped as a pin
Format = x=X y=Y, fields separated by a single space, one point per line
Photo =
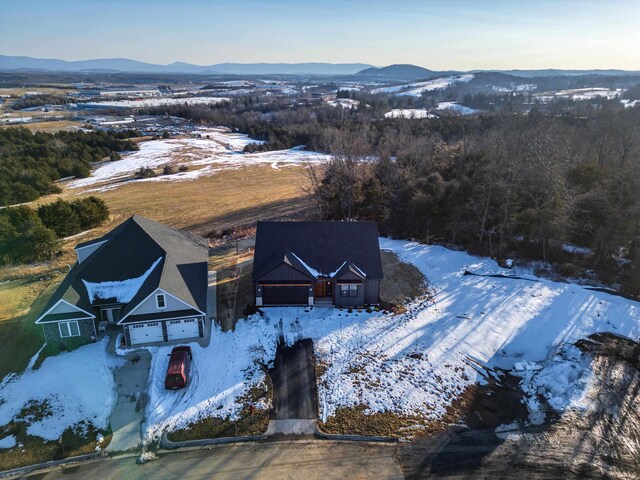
x=91 y=212
x=183 y=168
x=168 y=170
x=145 y=172
x=60 y=217
x=69 y=218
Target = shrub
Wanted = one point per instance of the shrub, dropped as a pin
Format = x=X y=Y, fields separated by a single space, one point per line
x=183 y=168
x=168 y=170
x=145 y=172
x=61 y=217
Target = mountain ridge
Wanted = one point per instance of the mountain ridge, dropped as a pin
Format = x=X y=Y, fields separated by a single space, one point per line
x=8 y=62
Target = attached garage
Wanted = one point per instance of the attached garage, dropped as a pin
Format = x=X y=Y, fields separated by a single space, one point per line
x=285 y=294
x=145 y=333
x=184 y=328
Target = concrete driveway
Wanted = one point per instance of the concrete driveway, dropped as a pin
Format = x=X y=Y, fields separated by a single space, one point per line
x=295 y=396
x=126 y=419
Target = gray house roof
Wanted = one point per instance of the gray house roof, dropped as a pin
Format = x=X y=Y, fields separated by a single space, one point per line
x=136 y=258
x=321 y=249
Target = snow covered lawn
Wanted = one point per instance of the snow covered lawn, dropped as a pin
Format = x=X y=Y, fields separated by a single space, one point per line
x=418 y=362
x=414 y=363
x=66 y=390
x=213 y=150
x=220 y=374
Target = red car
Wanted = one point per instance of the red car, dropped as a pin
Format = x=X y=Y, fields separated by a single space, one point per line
x=178 y=370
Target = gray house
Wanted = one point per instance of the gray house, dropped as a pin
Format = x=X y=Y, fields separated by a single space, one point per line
x=144 y=277
x=317 y=263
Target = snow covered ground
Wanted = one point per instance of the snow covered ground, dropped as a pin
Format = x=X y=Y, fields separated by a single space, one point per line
x=456 y=107
x=344 y=103
x=155 y=102
x=413 y=363
x=214 y=149
x=416 y=89
x=77 y=386
x=418 y=362
x=220 y=374
x=581 y=94
x=409 y=113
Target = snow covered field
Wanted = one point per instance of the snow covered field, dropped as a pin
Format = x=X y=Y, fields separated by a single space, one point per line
x=155 y=102
x=416 y=89
x=456 y=107
x=581 y=94
x=77 y=386
x=213 y=150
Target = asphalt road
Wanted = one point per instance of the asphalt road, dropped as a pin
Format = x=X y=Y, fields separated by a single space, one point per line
x=294 y=382
x=278 y=460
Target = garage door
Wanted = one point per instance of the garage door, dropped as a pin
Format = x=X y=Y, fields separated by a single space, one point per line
x=185 y=328
x=285 y=295
x=146 y=332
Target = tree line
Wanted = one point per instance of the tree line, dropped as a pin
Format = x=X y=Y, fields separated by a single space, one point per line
x=30 y=163
x=28 y=235
x=534 y=185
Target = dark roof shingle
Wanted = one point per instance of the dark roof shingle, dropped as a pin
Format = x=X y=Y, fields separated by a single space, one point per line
x=323 y=246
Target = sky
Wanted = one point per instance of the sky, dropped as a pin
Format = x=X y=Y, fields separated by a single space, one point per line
x=436 y=34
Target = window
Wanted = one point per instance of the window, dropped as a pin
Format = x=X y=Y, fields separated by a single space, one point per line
x=349 y=290
x=69 y=329
x=160 y=301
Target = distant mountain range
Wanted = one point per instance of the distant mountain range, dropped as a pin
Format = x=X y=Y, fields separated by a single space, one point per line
x=400 y=72
x=134 y=66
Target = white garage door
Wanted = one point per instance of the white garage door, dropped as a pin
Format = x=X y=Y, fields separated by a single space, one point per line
x=146 y=332
x=185 y=328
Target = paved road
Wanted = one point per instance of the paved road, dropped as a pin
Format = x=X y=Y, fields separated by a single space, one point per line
x=282 y=460
x=294 y=382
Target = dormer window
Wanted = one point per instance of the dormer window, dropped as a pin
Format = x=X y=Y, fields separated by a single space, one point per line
x=160 y=301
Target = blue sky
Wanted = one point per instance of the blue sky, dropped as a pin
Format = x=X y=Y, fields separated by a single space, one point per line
x=437 y=34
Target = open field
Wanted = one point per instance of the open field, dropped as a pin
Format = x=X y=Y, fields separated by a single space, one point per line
x=49 y=127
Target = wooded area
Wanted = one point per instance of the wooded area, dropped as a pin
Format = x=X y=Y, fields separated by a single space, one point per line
x=30 y=163
x=28 y=235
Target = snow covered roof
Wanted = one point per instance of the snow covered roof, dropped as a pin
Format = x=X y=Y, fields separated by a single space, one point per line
x=322 y=249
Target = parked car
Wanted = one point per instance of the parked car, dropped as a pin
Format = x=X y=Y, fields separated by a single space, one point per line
x=178 y=370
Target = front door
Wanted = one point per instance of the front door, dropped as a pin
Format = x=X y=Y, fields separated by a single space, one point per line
x=110 y=315
x=322 y=288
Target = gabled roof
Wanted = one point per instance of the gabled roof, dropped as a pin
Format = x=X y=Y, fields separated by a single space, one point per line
x=320 y=249
x=137 y=257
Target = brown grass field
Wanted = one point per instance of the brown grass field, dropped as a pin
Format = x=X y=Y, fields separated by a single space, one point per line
x=48 y=126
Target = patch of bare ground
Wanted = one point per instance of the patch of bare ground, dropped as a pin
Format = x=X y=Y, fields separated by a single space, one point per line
x=402 y=282
x=251 y=421
x=81 y=439
x=601 y=441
